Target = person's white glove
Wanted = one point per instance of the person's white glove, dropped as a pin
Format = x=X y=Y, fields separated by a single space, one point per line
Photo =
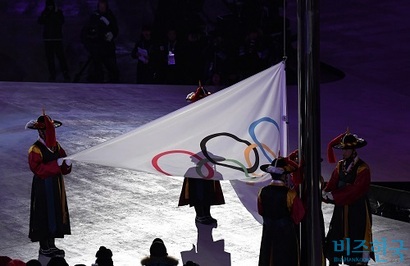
x=109 y=36
x=105 y=20
x=67 y=162
x=60 y=161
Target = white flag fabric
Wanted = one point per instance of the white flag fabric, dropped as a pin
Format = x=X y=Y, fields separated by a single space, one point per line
x=225 y=136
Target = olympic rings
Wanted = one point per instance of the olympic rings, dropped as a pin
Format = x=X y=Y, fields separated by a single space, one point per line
x=251 y=169
x=253 y=135
x=155 y=159
x=208 y=158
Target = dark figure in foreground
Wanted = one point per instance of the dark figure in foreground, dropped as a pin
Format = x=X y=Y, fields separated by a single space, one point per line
x=53 y=19
x=144 y=53
x=281 y=209
x=104 y=257
x=98 y=37
x=349 y=238
x=57 y=261
x=33 y=262
x=49 y=217
x=169 y=59
x=158 y=255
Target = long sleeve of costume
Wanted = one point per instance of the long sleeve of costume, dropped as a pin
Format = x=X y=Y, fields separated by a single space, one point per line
x=295 y=205
x=351 y=192
x=44 y=170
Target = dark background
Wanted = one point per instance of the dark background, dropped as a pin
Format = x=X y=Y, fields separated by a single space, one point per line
x=22 y=56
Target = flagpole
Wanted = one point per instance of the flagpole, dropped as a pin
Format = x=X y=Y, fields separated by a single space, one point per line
x=309 y=128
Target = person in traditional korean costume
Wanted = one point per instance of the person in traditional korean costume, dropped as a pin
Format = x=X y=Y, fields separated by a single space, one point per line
x=282 y=210
x=349 y=239
x=49 y=217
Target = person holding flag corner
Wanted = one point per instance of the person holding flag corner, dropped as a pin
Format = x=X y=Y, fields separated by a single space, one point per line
x=49 y=217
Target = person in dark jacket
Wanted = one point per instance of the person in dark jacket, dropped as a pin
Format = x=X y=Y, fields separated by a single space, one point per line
x=144 y=53
x=349 y=239
x=98 y=37
x=49 y=217
x=53 y=19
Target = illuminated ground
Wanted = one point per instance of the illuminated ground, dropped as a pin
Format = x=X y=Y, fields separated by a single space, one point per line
x=126 y=210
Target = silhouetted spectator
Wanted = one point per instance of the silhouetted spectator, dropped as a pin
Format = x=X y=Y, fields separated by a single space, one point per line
x=253 y=53
x=33 y=262
x=145 y=54
x=16 y=262
x=158 y=255
x=192 y=58
x=191 y=263
x=104 y=257
x=169 y=64
x=216 y=56
x=98 y=37
x=4 y=260
x=57 y=261
x=53 y=19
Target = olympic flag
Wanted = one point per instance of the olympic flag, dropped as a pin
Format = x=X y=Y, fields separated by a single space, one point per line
x=225 y=136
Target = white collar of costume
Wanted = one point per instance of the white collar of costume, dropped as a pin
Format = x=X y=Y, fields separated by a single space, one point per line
x=353 y=163
x=42 y=141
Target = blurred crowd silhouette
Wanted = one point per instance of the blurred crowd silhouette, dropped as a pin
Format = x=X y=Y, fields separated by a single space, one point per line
x=181 y=45
x=158 y=256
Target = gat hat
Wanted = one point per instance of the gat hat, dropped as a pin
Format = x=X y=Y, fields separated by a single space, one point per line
x=350 y=141
x=344 y=141
x=44 y=122
x=158 y=248
x=40 y=123
x=199 y=93
x=279 y=166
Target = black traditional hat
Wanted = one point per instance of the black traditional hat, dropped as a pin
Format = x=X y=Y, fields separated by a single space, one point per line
x=279 y=167
x=350 y=141
x=44 y=122
x=199 y=93
x=344 y=141
x=41 y=124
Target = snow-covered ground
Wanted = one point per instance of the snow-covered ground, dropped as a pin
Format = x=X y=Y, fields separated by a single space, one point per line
x=125 y=210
